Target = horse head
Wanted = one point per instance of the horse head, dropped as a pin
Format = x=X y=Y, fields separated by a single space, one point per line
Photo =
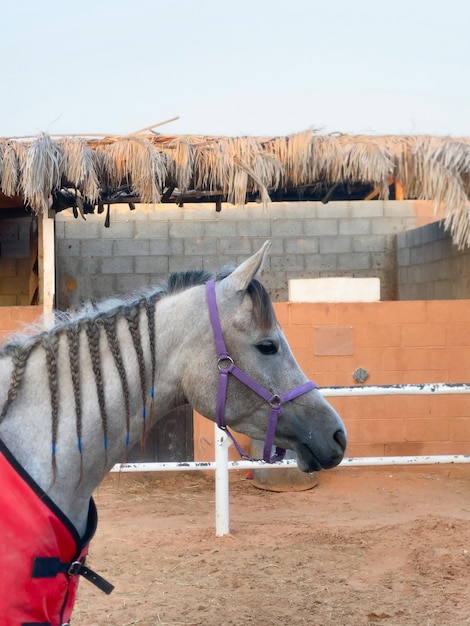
x=261 y=387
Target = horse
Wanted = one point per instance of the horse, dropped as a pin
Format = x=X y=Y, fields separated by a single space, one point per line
x=77 y=396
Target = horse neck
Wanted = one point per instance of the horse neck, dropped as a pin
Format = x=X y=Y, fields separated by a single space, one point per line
x=84 y=398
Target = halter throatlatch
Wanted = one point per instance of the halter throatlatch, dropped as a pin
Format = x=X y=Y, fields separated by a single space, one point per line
x=226 y=366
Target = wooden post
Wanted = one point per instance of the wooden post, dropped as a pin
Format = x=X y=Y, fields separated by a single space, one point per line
x=399 y=191
x=46 y=264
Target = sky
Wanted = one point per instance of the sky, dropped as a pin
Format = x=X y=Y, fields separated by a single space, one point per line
x=238 y=67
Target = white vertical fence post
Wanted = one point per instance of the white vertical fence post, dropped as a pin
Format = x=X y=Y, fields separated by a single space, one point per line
x=222 y=443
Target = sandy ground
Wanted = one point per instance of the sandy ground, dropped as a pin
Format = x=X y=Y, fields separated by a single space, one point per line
x=386 y=546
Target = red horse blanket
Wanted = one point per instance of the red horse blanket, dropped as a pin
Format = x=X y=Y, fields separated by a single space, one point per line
x=40 y=551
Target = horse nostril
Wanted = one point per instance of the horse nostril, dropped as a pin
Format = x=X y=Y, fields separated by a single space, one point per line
x=340 y=438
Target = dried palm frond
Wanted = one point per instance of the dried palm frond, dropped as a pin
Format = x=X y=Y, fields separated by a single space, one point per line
x=296 y=156
x=137 y=162
x=235 y=152
x=180 y=155
x=247 y=166
x=267 y=174
x=307 y=158
x=248 y=178
x=41 y=172
x=208 y=166
x=13 y=153
x=366 y=162
x=435 y=168
x=79 y=167
x=235 y=166
x=443 y=185
x=401 y=157
x=457 y=213
x=327 y=159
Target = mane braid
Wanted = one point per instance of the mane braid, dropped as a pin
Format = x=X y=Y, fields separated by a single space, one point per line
x=73 y=338
x=19 y=355
x=50 y=343
x=93 y=334
x=109 y=324
x=131 y=314
x=150 y=310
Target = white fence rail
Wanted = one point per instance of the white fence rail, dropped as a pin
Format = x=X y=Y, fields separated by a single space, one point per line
x=222 y=465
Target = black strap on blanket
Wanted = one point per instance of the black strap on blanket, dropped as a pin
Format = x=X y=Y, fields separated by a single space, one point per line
x=49 y=566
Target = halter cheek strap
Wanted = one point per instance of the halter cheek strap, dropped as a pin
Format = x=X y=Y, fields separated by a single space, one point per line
x=226 y=366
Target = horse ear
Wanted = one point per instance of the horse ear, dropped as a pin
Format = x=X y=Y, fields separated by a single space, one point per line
x=239 y=279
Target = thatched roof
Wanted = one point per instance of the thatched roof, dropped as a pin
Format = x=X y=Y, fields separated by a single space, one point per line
x=85 y=172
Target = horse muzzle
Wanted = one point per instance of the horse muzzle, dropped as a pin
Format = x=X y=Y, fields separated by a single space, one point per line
x=311 y=458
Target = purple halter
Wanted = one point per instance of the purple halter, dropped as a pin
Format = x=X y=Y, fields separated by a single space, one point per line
x=227 y=366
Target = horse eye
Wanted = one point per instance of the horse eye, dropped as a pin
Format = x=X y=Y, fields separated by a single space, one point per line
x=267 y=347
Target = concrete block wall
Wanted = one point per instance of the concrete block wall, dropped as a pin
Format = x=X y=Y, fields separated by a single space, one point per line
x=310 y=240
x=430 y=267
x=14 y=261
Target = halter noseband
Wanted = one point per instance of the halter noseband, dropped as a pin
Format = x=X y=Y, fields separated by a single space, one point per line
x=226 y=366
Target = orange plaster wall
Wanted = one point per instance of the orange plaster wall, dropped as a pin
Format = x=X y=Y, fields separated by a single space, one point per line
x=15 y=318
x=396 y=343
